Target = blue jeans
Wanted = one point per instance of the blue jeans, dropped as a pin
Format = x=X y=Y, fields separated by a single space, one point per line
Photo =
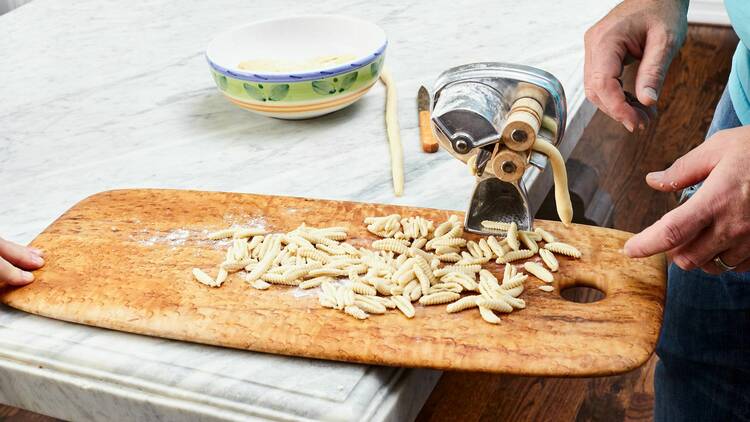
x=704 y=348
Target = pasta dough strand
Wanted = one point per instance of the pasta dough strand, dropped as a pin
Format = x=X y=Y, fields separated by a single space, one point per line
x=392 y=127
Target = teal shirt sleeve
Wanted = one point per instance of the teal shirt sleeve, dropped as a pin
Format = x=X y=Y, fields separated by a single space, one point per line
x=739 y=78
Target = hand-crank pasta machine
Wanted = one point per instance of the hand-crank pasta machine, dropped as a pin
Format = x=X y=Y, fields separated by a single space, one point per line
x=504 y=121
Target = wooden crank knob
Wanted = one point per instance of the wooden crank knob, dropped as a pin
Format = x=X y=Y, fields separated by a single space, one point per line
x=523 y=123
x=508 y=165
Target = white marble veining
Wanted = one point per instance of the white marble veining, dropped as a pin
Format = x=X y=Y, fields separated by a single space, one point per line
x=98 y=95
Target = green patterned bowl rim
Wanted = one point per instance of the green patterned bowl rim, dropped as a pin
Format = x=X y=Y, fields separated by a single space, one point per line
x=298 y=76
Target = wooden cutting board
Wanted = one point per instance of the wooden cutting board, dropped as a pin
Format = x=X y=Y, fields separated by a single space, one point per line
x=123 y=259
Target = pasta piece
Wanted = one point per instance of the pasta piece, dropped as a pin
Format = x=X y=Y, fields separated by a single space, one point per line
x=464 y=280
x=332 y=272
x=496 y=225
x=549 y=259
x=415 y=293
x=546 y=288
x=563 y=249
x=388 y=303
x=559 y=174
x=439 y=298
x=424 y=281
x=409 y=288
x=514 y=292
x=536 y=237
x=546 y=236
x=363 y=289
x=426 y=269
x=443 y=228
x=249 y=232
x=419 y=243
x=383 y=287
x=514 y=302
x=325 y=301
x=485 y=247
x=455 y=241
x=528 y=242
x=260 y=285
x=221 y=234
x=497 y=305
x=314 y=282
x=204 y=278
x=462 y=304
x=469 y=269
x=355 y=311
x=370 y=307
x=488 y=315
x=392 y=245
x=469 y=260
x=314 y=254
x=446 y=287
x=221 y=277
x=497 y=249
x=345 y=295
x=515 y=256
x=451 y=257
x=514 y=282
x=508 y=273
x=404 y=305
x=456 y=232
x=474 y=249
x=266 y=261
x=254 y=242
x=444 y=250
x=235 y=266
x=512 y=237
x=394 y=138
x=539 y=272
x=331 y=250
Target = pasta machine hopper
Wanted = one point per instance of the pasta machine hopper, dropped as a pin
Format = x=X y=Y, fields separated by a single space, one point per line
x=489 y=115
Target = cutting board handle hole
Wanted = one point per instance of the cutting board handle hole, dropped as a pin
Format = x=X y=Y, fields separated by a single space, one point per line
x=582 y=293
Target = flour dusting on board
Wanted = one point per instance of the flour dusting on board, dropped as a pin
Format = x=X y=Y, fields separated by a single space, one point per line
x=297 y=292
x=179 y=236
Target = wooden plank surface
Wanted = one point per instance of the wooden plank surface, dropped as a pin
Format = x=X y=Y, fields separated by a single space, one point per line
x=122 y=260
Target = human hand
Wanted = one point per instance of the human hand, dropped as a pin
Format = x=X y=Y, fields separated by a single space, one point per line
x=16 y=261
x=715 y=221
x=648 y=30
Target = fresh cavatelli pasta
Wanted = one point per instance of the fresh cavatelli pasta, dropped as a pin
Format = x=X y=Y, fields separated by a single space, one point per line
x=415 y=260
x=563 y=249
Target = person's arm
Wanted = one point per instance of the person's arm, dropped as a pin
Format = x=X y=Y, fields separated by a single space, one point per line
x=647 y=30
x=17 y=261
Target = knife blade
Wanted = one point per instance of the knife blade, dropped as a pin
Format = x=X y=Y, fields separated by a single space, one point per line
x=427 y=139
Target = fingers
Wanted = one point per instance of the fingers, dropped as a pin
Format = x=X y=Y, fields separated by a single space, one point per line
x=700 y=252
x=21 y=256
x=689 y=169
x=12 y=275
x=734 y=257
x=657 y=56
x=602 y=67
x=675 y=228
x=603 y=89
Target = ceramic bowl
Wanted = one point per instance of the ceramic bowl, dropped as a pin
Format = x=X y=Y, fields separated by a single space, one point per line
x=305 y=91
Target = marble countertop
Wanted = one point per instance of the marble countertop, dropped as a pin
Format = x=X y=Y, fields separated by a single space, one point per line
x=98 y=95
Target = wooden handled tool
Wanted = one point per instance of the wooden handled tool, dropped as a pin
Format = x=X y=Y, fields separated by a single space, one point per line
x=427 y=139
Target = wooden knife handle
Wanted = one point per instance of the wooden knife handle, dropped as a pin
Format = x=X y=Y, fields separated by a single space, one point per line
x=429 y=143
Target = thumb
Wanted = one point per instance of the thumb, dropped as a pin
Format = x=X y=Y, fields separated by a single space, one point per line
x=657 y=54
x=687 y=170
